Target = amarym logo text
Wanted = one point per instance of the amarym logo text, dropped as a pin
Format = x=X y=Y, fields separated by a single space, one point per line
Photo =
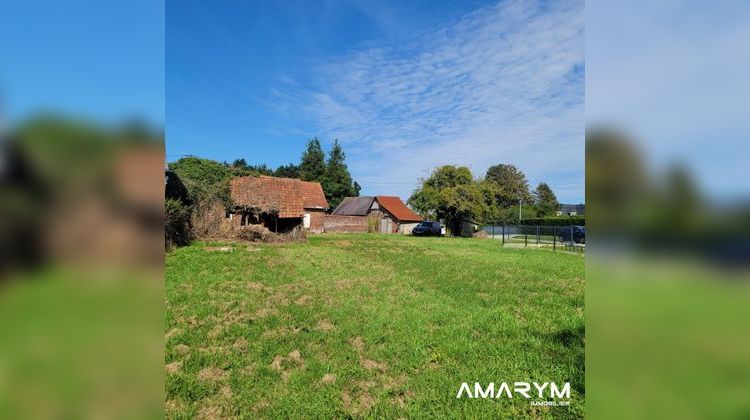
x=525 y=389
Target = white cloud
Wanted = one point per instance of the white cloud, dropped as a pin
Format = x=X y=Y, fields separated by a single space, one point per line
x=503 y=84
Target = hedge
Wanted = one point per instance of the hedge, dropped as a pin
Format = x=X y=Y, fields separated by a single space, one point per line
x=554 y=221
x=547 y=221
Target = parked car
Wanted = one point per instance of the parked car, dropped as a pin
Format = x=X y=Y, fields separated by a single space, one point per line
x=579 y=234
x=428 y=228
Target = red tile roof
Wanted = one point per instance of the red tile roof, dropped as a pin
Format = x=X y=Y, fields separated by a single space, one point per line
x=312 y=194
x=398 y=209
x=286 y=195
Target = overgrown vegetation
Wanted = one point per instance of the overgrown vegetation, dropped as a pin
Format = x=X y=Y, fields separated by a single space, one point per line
x=177 y=226
x=360 y=325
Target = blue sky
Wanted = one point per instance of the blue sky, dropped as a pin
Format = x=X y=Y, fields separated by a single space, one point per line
x=100 y=60
x=405 y=86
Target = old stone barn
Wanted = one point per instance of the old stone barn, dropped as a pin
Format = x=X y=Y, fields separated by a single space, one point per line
x=279 y=204
x=390 y=212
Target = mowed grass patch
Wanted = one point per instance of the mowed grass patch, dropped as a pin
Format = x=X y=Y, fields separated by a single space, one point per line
x=369 y=325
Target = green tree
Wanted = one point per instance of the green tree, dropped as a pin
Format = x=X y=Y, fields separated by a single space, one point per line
x=337 y=181
x=261 y=169
x=450 y=194
x=312 y=166
x=511 y=185
x=239 y=163
x=545 y=200
x=288 y=171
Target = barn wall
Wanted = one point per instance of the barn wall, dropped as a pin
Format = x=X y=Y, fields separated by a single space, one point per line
x=317 y=220
x=335 y=223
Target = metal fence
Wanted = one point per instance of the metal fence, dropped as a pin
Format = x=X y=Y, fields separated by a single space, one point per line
x=557 y=238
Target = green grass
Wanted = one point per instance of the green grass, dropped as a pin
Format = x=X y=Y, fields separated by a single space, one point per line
x=393 y=323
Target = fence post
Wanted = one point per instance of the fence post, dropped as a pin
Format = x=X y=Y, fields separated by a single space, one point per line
x=503 y=233
x=537 y=235
x=525 y=237
x=493 y=231
x=571 y=237
x=554 y=238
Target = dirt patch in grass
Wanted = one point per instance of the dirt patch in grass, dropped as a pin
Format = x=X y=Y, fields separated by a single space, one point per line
x=260 y=406
x=277 y=299
x=255 y=286
x=344 y=284
x=325 y=326
x=215 y=332
x=328 y=378
x=265 y=313
x=280 y=332
x=286 y=364
x=213 y=374
x=372 y=364
x=304 y=300
x=173 y=332
x=240 y=345
x=276 y=363
x=358 y=401
x=181 y=349
x=210 y=412
x=296 y=356
x=358 y=343
x=396 y=387
x=174 y=367
x=172 y=406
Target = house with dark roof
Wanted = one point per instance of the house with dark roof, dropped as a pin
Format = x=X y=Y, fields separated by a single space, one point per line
x=572 y=210
x=393 y=214
x=280 y=204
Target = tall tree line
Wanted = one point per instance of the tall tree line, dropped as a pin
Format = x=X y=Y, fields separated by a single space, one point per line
x=333 y=174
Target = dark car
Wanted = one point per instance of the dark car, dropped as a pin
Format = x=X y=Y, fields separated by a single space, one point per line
x=578 y=234
x=427 y=228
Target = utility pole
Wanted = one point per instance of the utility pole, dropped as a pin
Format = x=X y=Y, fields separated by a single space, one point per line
x=520 y=200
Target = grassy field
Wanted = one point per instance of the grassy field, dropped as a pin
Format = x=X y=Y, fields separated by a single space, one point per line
x=369 y=326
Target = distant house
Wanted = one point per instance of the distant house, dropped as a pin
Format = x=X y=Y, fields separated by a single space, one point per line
x=572 y=210
x=393 y=214
x=280 y=204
